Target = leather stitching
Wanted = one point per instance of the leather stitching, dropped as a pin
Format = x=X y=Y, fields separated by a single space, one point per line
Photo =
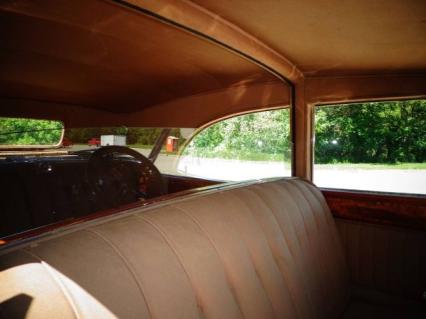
x=179 y=258
x=126 y=263
x=294 y=259
x=58 y=282
x=230 y=284
x=274 y=258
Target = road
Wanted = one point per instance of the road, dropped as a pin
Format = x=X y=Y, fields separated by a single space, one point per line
x=386 y=180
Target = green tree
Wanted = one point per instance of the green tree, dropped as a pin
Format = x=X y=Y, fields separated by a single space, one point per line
x=14 y=131
x=265 y=132
x=377 y=132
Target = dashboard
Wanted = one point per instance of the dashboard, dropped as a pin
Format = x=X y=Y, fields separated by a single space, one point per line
x=38 y=191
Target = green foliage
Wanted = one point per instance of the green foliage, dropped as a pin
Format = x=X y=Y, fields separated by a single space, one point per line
x=15 y=131
x=372 y=166
x=247 y=136
x=379 y=132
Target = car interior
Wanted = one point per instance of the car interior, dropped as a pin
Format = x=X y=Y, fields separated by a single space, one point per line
x=111 y=231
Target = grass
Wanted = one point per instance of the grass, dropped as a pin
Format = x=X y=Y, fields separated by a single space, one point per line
x=143 y=146
x=225 y=154
x=149 y=148
x=265 y=157
x=371 y=166
x=240 y=155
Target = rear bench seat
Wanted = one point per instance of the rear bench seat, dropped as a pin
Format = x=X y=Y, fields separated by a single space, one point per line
x=266 y=250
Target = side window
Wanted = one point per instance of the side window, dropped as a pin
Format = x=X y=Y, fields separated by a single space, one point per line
x=250 y=146
x=377 y=146
x=22 y=132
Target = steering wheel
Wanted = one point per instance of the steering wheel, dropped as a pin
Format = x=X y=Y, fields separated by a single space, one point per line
x=118 y=175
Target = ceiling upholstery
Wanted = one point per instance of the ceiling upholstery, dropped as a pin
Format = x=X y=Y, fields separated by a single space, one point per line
x=105 y=62
x=100 y=55
x=336 y=37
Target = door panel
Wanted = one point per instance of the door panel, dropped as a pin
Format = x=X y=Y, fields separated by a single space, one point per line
x=384 y=237
x=385 y=258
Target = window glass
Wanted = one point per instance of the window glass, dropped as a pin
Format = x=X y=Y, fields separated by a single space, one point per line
x=377 y=146
x=249 y=146
x=141 y=139
x=20 y=132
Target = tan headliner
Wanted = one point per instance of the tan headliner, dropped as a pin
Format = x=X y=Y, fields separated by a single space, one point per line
x=104 y=57
x=100 y=63
x=335 y=37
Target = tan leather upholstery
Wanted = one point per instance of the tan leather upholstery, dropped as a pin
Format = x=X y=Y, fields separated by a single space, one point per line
x=268 y=250
x=261 y=251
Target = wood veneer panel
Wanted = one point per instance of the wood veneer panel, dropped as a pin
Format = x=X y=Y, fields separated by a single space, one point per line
x=385 y=209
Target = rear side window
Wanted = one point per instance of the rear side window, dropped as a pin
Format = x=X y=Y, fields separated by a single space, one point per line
x=377 y=146
x=21 y=132
x=244 y=147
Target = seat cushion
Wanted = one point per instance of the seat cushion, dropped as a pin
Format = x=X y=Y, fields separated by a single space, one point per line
x=265 y=250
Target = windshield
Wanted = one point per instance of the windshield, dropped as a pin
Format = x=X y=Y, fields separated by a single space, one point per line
x=161 y=145
x=33 y=137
